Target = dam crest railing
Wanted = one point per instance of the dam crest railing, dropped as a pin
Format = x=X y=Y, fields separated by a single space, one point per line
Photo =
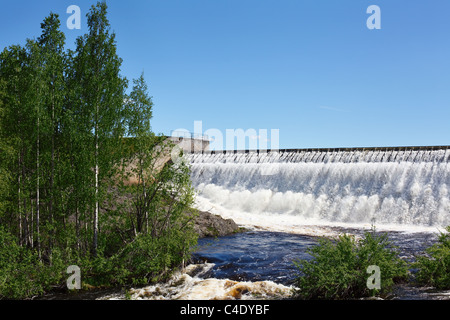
x=346 y=155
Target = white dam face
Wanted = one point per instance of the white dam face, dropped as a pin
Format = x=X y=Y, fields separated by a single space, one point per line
x=287 y=190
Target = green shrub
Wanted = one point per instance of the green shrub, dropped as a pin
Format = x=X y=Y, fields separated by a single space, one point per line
x=434 y=266
x=149 y=259
x=145 y=259
x=22 y=273
x=338 y=269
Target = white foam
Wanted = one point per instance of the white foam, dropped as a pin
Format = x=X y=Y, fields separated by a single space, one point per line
x=298 y=225
x=408 y=196
x=186 y=286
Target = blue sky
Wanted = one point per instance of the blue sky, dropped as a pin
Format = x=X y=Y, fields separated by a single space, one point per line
x=311 y=69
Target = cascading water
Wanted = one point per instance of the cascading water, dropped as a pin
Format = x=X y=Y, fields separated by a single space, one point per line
x=401 y=187
x=309 y=192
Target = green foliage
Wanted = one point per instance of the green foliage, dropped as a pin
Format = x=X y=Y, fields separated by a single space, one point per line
x=434 y=266
x=22 y=273
x=338 y=269
x=69 y=138
x=148 y=259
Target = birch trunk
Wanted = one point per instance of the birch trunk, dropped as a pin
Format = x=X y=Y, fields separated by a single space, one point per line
x=95 y=243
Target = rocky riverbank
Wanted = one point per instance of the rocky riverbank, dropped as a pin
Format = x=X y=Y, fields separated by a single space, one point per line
x=211 y=225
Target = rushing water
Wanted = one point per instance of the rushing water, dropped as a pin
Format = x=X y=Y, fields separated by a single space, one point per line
x=318 y=193
x=259 y=265
x=255 y=255
x=264 y=255
x=288 y=197
x=397 y=188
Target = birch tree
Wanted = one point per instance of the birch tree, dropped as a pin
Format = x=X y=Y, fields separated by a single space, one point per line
x=139 y=112
x=51 y=84
x=18 y=127
x=101 y=98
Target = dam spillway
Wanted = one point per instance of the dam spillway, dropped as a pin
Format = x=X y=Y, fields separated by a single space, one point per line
x=403 y=186
x=345 y=155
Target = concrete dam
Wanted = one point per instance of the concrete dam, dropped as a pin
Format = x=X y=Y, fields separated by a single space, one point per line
x=400 y=187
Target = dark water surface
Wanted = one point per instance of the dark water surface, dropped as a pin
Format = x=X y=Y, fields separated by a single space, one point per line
x=254 y=255
x=263 y=255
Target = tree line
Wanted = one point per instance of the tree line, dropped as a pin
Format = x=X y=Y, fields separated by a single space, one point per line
x=71 y=140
